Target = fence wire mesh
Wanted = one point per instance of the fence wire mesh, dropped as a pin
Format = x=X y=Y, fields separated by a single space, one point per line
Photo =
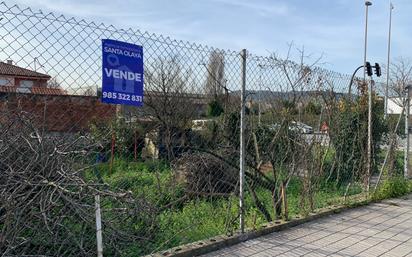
x=168 y=172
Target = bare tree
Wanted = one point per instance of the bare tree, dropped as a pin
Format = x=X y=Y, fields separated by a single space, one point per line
x=54 y=83
x=171 y=103
x=89 y=91
x=400 y=77
x=277 y=151
x=47 y=206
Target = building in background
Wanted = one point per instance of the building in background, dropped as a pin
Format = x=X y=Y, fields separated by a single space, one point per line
x=395 y=105
x=50 y=106
x=15 y=79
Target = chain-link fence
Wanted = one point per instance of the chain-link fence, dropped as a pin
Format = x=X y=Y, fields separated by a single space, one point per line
x=167 y=173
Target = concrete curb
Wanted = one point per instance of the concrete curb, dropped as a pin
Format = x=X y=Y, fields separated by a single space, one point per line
x=222 y=241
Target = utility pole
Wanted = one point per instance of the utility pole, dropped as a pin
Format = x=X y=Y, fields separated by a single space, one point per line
x=391 y=7
x=367 y=4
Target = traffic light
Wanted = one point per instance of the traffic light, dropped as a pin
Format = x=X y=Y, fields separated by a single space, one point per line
x=378 y=71
x=368 y=68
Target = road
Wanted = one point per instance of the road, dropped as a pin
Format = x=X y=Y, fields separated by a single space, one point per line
x=380 y=229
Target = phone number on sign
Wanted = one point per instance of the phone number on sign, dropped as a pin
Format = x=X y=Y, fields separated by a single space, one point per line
x=121 y=96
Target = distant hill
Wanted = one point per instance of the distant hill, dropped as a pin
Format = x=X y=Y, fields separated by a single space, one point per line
x=266 y=95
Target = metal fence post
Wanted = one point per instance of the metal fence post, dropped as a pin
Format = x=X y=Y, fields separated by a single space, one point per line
x=369 y=163
x=406 y=158
x=99 y=236
x=242 y=143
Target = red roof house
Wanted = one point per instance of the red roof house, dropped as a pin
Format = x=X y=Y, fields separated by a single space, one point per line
x=15 y=79
x=51 y=108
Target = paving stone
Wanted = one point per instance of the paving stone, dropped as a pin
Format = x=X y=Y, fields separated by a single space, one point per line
x=380 y=229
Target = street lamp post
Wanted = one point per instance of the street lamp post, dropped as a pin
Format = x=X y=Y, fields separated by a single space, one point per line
x=369 y=154
x=388 y=63
x=367 y=4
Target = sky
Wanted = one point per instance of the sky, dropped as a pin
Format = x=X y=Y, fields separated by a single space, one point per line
x=332 y=29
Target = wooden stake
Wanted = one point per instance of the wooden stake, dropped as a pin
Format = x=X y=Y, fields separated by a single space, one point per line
x=112 y=152
x=284 y=201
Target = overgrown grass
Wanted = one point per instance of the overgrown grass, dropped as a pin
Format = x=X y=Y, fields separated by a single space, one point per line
x=189 y=219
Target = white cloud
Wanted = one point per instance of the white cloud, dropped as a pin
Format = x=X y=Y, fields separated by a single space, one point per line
x=74 y=8
x=263 y=8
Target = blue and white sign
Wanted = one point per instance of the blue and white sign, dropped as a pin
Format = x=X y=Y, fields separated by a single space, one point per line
x=122 y=73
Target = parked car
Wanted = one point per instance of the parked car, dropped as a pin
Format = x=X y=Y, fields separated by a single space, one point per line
x=294 y=126
x=300 y=127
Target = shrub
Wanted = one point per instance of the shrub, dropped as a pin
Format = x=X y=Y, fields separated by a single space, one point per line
x=214 y=109
x=313 y=108
x=205 y=174
x=126 y=137
x=348 y=135
x=392 y=187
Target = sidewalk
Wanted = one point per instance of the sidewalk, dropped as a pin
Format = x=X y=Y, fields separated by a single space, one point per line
x=380 y=229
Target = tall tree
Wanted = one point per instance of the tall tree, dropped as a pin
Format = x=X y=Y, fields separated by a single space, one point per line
x=215 y=83
x=169 y=101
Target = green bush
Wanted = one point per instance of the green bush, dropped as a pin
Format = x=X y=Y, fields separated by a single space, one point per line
x=214 y=109
x=392 y=187
x=348 y=136
x=313 y=108
x=126 y=136
x=290 y=107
